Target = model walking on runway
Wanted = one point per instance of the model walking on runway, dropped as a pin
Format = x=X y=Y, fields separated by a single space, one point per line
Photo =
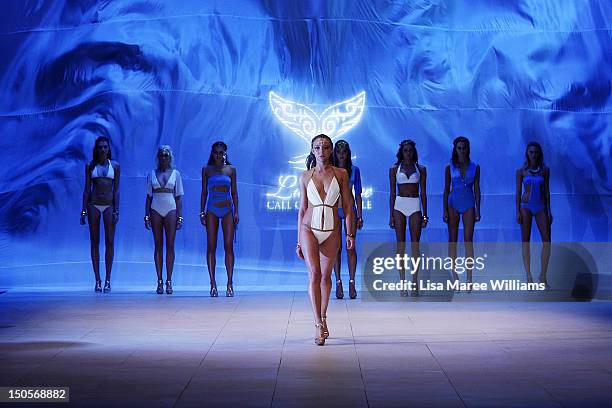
x=408 y=204
x=342 y=159
x=219 y=203
x=534 y=201
x=322 y=186
x=461 y=200
x=163 y=209
x=101 y=201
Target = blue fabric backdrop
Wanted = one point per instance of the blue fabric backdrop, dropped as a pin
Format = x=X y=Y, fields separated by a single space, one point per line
x=188 y=73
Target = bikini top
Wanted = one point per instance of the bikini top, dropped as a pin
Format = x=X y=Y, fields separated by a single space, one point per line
x=98 y=171
x=401 y=176
x=458 y=181
x=322 y=214
x=173 y=185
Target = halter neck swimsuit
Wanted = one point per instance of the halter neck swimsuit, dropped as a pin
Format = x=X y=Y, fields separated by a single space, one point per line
x=322 y=221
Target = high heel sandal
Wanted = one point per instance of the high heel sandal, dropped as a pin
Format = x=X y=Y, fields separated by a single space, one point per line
x=320 y=339
x=169 y=289
x=107 y=287
x=339 y=290
x=352 y=290
x=325 y=329
x=98 y=287
x=160 y=287
x=229 y=291
x=213 y=291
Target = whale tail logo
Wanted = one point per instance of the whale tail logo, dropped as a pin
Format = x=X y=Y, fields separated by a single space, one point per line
x=335 y=120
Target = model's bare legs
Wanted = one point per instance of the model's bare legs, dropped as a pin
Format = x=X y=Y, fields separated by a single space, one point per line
x=93 y=221
x=328 y=251
x=109 y=241
x=453 y=234
x=227 y=224
x=170 y=229
x=338 y=265
x=212 y=230
x=310 y=250
x=352 y=263
x=416 y=224
x=525 y=238
x=544 y=227
x=469 y=220
x=399 y=220
x=157 y=225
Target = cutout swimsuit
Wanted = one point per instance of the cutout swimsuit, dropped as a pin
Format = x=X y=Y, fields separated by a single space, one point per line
x=216 y=198
x=535 y=204
x=322 y=221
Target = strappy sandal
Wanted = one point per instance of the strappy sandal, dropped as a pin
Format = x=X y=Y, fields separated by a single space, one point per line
x=320 y=340
x=352 y=290
x=339 y=290
x=325 y=329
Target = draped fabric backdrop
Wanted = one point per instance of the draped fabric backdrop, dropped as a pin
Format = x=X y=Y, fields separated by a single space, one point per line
x=188 y=73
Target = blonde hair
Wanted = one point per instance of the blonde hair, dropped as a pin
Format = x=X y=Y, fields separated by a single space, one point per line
x=169 y=150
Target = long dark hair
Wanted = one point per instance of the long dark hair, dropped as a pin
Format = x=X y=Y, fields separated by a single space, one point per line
x=95 y=150
x=455 y=156
x=221 y=145
x=540 y=155
x=400 y=155
x=311 y=160
x=343 y=144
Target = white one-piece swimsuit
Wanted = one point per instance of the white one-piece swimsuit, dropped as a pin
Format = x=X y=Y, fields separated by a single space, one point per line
x=163 y=200
x=322 y=221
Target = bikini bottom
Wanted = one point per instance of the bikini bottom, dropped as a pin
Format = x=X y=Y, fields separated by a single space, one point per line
x=100 y=208
x=533 y=207
x=407 y=205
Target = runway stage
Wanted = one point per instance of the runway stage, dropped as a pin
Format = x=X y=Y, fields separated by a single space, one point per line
x=144 y=350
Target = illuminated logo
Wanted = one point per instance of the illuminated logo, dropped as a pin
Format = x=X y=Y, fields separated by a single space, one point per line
x=334 y=121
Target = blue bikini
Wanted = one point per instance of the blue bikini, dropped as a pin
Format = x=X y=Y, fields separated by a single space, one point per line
x=461 y=196
x=536 y=202
x=354 y=182
x=216 y=197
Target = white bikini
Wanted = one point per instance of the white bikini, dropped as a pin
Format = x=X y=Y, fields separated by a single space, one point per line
x=164 y=197
x=407 y=205
x=322 y=221
x=97 y=172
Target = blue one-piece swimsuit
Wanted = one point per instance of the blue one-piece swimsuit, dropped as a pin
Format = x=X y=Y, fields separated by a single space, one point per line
x=461 y=196
x=354 y=182
x=215 y=197
x=535 y=203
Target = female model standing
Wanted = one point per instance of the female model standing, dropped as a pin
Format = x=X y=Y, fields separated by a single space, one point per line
x=322 y=186
x=461 y=199
x=406 y=178
x=163 y=209
x=534 y=201
x=219 y=202
x=101 y=201
x=342 y=159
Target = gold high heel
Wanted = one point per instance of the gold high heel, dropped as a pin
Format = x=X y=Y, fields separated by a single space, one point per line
x=325 y=329
x=320 y=340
